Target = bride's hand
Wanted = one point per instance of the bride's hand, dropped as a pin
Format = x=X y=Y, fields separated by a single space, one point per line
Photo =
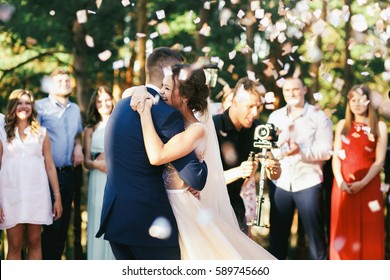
x=144 y=106
x=139 y=96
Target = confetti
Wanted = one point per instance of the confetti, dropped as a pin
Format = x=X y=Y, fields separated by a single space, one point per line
x=334 y=17
x=338 y=84
x=368 y=149
x=224 y=16
x=230 y=68
x=228 y=152
x=103 y=56
x=341 y=154
x=197 y=20
x=232 y=54
x=251 y=75
x=339 y=243
x=265 y=22
x=374 y=206
x=327 y=77
x=160 y=228
x=319 y=27
x=183 y=75
x=350 y=61
x=187 y=49
x=207 y=5
x=385 y=187
x=6 y=12
x=356 y=246
x=118 y=64
x=282 y=38
x=280 y=82
x=89 y=41
x=140 y=35
x=355 y=135
x=259 y=13
x=240 y=14
x=314 y=54
x=153 y=35
x=125 y=3
x=98 y=3
x=269 y=97
x=255 y=5
x=205 y=30
x=317 y=13
x=361 y=2
x=317 y=96
x=160 y=14
x=163 y=28
x=30 y=41
x=46 y=84
x=52 y=13
x=365 y=73
x=359 y=23
x=167 y=71
x=345 y=140
x=81 y=16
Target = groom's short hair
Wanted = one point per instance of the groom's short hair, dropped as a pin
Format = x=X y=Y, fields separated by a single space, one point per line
x=159 y=59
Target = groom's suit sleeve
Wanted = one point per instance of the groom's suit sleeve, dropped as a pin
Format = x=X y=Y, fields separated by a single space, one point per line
x=190 y=169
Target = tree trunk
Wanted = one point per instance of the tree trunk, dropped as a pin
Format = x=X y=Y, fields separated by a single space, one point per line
x=315 y=67
x=141 y=40
x=80 y=66
x=250 y=33
x=199 y=38
x=347 y=75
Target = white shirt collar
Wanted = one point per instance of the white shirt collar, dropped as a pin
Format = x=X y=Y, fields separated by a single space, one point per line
x=153 y=87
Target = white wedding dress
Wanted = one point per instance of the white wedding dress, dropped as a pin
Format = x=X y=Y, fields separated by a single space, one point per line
x=208 y=229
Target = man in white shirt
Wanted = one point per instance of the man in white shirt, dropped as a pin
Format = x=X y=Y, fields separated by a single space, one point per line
x=305 y=141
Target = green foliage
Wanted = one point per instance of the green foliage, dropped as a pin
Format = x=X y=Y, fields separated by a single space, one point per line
x=34 y=30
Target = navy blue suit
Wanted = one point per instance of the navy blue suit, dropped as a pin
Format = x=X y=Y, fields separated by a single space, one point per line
x=135 y=195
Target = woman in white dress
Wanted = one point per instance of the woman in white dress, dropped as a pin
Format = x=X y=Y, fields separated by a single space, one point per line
x=203 y=233
x=100 y=108
x=27 y=167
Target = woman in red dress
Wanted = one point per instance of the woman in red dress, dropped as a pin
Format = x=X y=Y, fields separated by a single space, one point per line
x=357 y=215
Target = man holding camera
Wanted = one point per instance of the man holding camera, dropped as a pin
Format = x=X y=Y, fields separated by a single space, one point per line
x=305 y=141
x=235 y=129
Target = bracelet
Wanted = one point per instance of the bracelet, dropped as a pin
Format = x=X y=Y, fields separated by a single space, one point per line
x=57 y=194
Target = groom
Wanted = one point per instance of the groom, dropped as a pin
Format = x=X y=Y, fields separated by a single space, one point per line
x=134 y=195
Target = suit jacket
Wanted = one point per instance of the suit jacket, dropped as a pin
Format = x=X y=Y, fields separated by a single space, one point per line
x=135 y=195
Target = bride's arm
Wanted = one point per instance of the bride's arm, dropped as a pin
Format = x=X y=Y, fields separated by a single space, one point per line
x=177 y=147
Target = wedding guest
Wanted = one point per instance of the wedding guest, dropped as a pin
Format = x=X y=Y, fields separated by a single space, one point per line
x=235 y=129
x=62 y=120
x=27 y=167
x=305 y=140
x=357 y=217
x=100 y=108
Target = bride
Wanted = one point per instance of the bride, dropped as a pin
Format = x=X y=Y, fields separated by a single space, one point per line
x=207 y=226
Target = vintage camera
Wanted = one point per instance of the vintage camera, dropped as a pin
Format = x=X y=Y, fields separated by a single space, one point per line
x=265 y=136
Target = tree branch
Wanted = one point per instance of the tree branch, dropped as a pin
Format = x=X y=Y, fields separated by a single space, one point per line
x=40 y=55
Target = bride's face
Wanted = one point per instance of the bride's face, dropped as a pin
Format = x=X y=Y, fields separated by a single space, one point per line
x=170 y=93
